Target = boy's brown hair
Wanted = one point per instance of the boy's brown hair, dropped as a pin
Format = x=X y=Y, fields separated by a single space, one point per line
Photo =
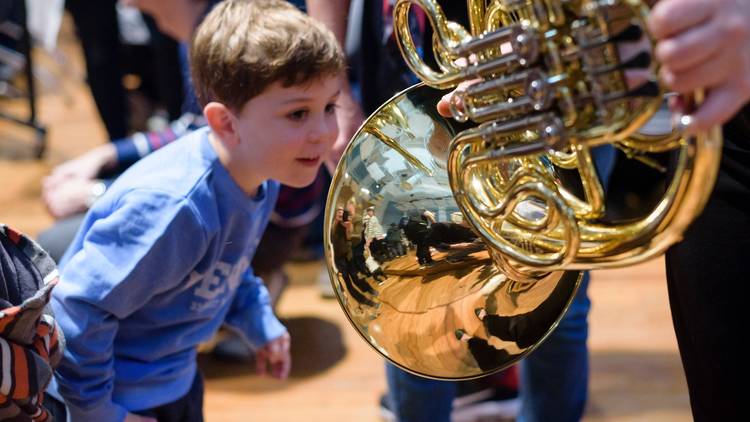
x=243 y=46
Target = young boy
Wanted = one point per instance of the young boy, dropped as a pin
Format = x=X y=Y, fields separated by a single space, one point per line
x=161 y=262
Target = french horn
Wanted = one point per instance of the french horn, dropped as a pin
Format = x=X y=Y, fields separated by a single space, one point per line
x=482 y=223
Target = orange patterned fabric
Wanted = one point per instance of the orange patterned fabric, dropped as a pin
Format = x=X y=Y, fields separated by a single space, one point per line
x=30 y=344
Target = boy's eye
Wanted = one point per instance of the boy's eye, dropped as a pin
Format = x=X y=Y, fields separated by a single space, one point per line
x=297 y=115
x=331 y=108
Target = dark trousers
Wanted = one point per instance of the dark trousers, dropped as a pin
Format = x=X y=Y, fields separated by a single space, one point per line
x=188 y=408
x=379 y=249
x=351 y=280
x=423 y=252
x=708 y=291
x=97 y=26
x=55 y=408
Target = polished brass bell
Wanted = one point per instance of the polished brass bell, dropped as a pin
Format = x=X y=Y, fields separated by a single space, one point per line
x=479 y=225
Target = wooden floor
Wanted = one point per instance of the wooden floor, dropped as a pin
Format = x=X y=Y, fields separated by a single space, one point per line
x=635 y=369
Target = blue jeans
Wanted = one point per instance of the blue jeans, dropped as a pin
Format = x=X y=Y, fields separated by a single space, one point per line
x=554 y=378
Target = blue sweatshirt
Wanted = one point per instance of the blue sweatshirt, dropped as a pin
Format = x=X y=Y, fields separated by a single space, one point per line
x=161 y=261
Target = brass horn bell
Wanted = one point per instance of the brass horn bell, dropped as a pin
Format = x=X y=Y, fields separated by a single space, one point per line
x=480 y=225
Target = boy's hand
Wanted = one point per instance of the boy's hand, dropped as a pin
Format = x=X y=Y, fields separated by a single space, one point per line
x=274 y=359
x=131 y=417
x=705 y=44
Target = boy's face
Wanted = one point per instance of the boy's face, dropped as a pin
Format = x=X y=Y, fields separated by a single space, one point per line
x=287 y=132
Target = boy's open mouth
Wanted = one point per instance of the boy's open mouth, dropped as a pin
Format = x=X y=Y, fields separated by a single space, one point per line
x=309 y=161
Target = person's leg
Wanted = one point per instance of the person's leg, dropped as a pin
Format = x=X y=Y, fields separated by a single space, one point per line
x=166 y=63
x=423 y=252
x=55 y=408
x=97 y=26
x=361 y=283
x=707 y=285
x=349 y=280
x=554 y=378
x=415 y=399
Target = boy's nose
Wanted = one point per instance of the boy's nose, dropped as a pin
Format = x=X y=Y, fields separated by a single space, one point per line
x=327 y=130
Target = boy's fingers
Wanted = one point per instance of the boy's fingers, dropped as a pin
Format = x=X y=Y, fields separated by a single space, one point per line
x=282 y=368
x=261 y=360
x=673 y=16
x=282 y=365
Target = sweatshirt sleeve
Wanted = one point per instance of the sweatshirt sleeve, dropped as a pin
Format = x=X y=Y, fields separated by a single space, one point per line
x=251 y=313
x=133 y=148
x=126 y=257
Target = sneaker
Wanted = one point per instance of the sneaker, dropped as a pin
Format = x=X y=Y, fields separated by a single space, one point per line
x=459 y=334
x=491 y=398
x=485 y=405
x=386 y=410
x=480 y=313
x=491 y=404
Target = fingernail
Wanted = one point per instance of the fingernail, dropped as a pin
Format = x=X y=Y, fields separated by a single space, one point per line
x=667 y=77
x=684 y=123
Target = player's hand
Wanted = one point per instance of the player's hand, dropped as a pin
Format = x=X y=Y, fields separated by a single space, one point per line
x=705 y=44
x=274 y=359
x=443 y=106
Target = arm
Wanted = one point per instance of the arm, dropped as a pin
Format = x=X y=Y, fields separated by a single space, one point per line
x=252 y=316
x=251 y=313
x=429 y=216
x=348 y=229
x=129 y=150
x=68 y=189
x=334 y=14
x=125 y=259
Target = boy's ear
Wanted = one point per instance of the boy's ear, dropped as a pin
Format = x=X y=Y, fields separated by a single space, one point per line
x=222 y=123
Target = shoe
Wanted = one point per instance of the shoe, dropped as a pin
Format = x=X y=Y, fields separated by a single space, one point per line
x=475 y=401
x=480 y=313
x=460 y=334
x=491 y=398
x=490 y=404
x=386 y=410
